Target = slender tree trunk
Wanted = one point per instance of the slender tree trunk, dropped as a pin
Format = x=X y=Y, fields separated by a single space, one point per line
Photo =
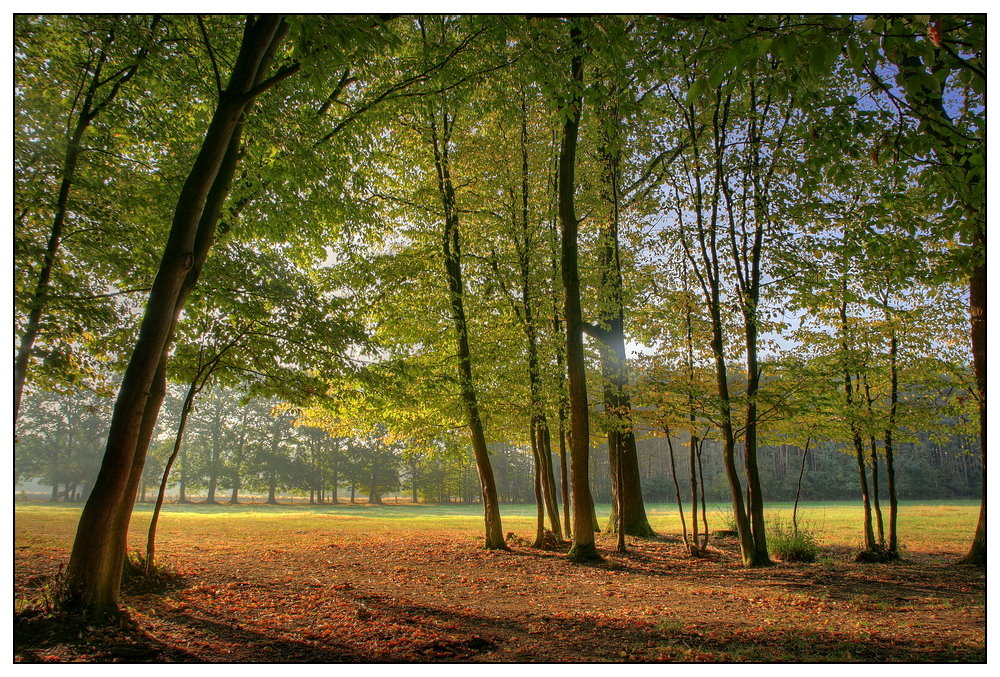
x=701 y=484
x=859 y=452
x=798 y=486
x=453 y=268
x=93 y=575
x=890 y=468
x=691 y=545
x=873 y=448
x=23 y=357
x=551 y=498
x=178 y=441
x=564 y=472
x=692 y=463
x=755 y=494
x=539 y=498
x=583 y=547
x=743 y=529
x=876 y=503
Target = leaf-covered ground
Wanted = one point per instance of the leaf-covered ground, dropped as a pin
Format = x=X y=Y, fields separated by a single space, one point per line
x=328 y=590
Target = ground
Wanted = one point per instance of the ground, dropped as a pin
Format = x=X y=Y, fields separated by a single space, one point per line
x=342 y=586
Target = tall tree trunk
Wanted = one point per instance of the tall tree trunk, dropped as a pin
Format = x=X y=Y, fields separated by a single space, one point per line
x=873 y=448
x=272 y=488
x=452 y=248
x=748 y=549
x=93 y=575
x=583 y=547
x=977 y=307
x=564 y=472
x=859 y=452
x=890 y=468
x=755 y=496
x=614 y=367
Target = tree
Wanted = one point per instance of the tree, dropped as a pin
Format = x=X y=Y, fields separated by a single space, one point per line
x=583 y=547
x=94 y=573
x=106 y=67
x=440 y=123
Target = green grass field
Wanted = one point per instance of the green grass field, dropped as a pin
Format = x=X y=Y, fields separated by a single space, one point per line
x=923 y=526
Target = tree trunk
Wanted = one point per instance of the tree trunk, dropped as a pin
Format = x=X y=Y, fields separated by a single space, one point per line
x=539 y=498
x=93 y=576
x=691 y=545
x=755 y=496
x=626 y=489
x=798 y=487
x=890 y=468
x=452 y=249
x=748 y=549
x=583 y=547
x=551 y=498
x=272 y=488
x=178 y=441
x=859 y=452
x=977 y=310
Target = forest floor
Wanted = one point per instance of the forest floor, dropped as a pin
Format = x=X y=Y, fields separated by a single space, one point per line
x=329 y=587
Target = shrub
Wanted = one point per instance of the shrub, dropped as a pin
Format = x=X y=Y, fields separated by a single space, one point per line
x=790 y=544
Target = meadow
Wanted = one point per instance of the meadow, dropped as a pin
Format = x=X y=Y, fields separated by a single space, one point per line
x=404 y=583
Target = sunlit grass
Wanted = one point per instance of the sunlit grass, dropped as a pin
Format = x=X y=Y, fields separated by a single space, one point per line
x=923 y=526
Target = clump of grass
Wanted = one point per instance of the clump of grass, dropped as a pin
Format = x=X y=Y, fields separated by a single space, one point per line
x=790 y=543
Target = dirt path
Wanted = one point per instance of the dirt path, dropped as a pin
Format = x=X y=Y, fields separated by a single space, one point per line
x=326 y=597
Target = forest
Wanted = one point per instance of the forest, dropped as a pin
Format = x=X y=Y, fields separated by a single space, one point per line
x=603 y=279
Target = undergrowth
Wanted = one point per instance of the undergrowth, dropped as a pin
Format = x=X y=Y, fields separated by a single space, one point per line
x=790 y=543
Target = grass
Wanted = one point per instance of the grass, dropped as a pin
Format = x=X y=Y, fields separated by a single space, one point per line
x=923 y=526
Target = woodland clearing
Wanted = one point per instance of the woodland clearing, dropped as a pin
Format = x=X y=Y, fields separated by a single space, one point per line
x=411 y=584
